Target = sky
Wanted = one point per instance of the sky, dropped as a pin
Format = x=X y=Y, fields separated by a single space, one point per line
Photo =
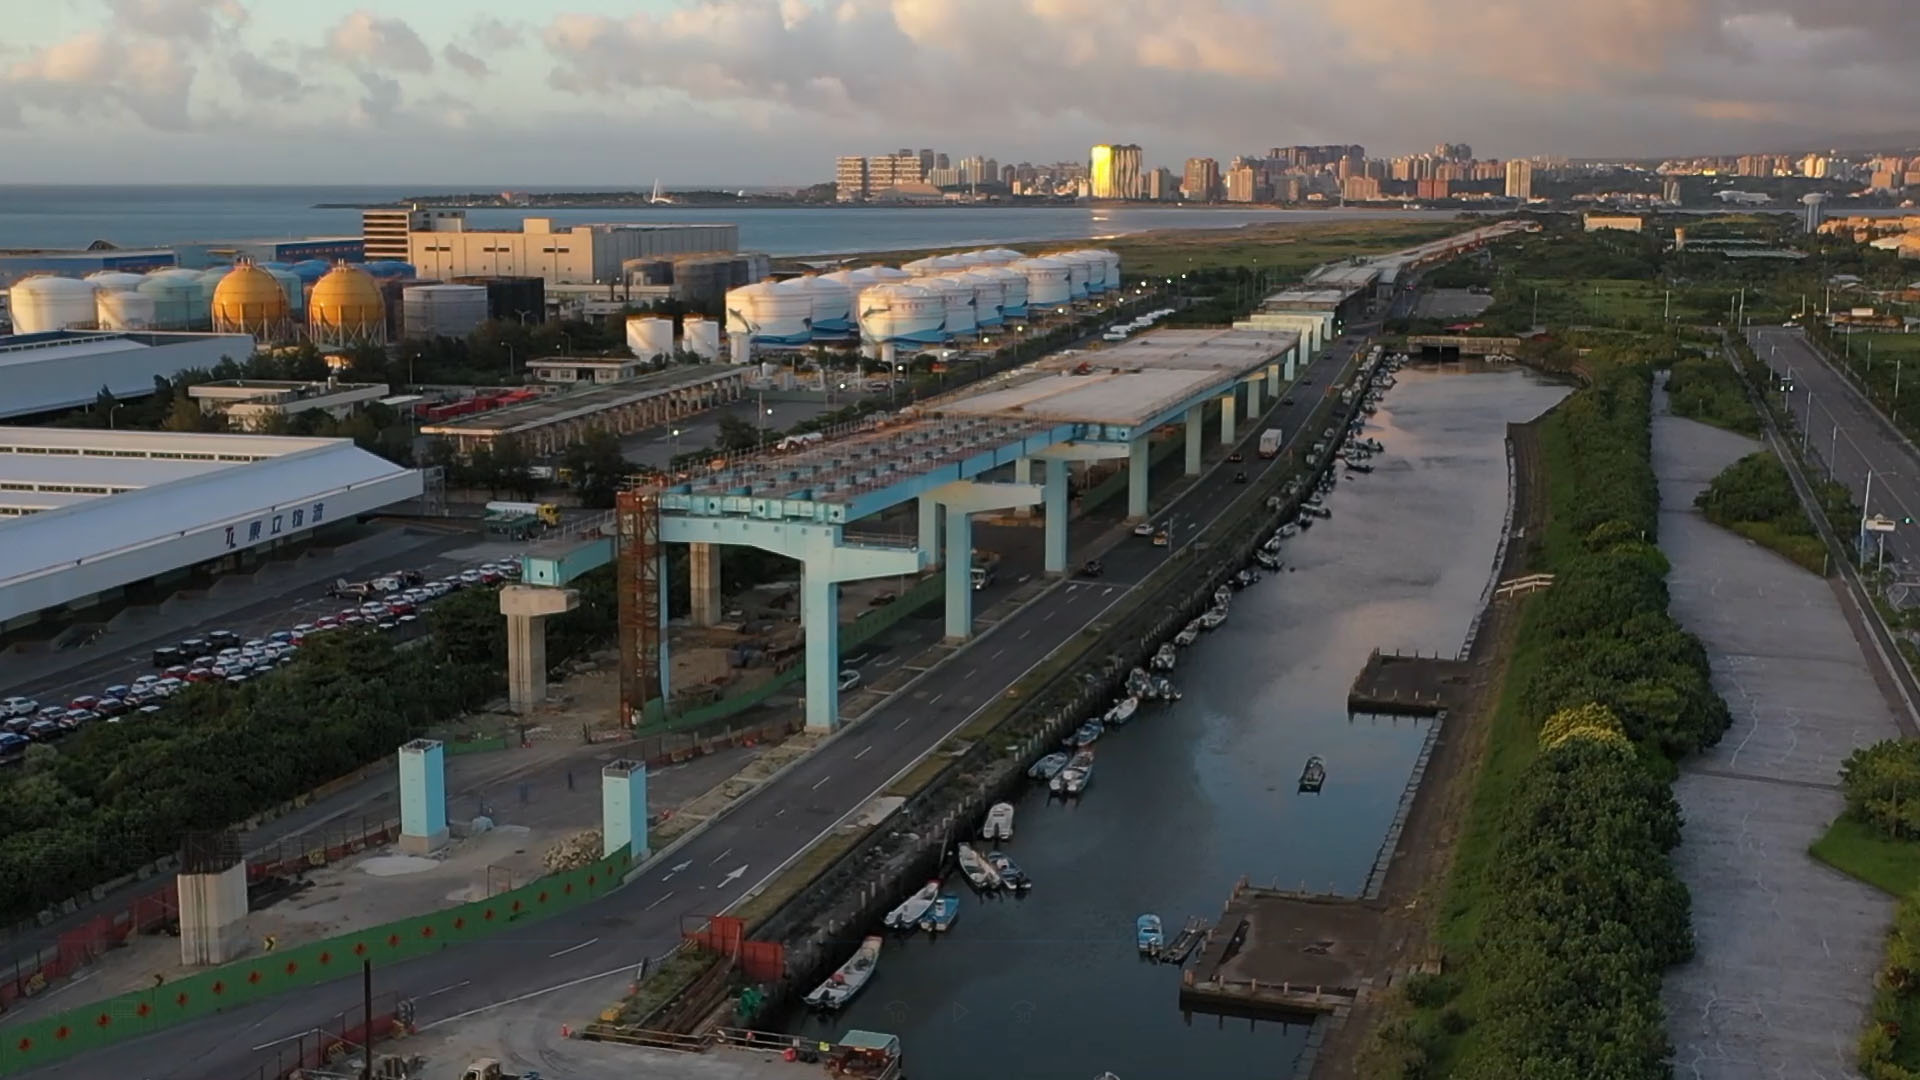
x=748 y=92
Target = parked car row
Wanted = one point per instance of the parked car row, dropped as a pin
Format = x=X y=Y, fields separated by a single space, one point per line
x=221 y=656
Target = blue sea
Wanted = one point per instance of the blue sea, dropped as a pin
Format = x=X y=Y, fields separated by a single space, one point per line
x=71 y=216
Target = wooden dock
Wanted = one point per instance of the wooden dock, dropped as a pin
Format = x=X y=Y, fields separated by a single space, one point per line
x=1183 y=944
x=1276 y=953
x=1396 y=684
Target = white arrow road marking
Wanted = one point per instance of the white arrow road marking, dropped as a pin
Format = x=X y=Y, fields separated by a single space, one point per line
x=676 y=868
x=734 y=875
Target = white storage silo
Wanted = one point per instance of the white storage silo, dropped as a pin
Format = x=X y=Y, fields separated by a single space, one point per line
x=889 y=275
x=115 y=280
x=830 y=302
x=988 y=295
x=999 y=256
x=124 y=309
x=649 y=336
x=920 y=268
x=950 y=264
x=210 y=283
x=1082 y=270
x=290 y=284
x=701 y=337
x=1013 y=290
x=854 y=280
x=176 y=299
x=958 y=296
x=769 y=315
x=442 y=311
x=41 y=304
x=1111 y=262
x=896 y=314
x=1049 y=283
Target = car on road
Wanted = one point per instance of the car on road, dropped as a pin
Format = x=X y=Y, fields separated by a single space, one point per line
x=84 y=701
x=45 y=731
x=201 y=674
x=166 y=656
x=1163 y=538
x=1236 y=457
x=1288 y=400
x=848 y=680
x=112 y=706
x=18 y=706
x=220 y=639
x=1240 y=477
x=1092 y=568
x=1145 y=528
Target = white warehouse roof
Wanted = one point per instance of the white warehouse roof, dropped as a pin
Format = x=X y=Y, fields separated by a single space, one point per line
x=65 y=369
x=83 y=512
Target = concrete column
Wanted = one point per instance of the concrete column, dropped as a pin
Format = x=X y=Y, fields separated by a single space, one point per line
x=1139 y=460
x=1056 y=525
x=1273 y=381
x=423 y=797
x=526 y=608
x=1023 y=474
x=929 y=528
x=213 y=906
x=959 y=575
x=1253 y=399
x=1196 y=424
x=820 y=619
x=1226 y=419
x=1293 y=359
x=623 y=808
x=704 y=568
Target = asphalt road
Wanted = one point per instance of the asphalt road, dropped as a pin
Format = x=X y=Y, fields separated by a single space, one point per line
x=735 y=854
x=1851 y=435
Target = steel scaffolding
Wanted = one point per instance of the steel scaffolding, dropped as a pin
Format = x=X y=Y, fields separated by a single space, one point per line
x=642 y=593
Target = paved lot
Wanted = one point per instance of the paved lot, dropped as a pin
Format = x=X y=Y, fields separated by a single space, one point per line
x=542 y=968
x=1785 y=946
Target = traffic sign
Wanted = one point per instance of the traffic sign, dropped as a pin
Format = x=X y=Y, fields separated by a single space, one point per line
x=1878 y=523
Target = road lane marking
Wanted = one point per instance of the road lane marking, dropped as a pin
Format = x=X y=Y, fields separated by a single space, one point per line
x=676 y=868
x=1024 y=633
x=863 y=753
x=903 y=723
x=573 y=948
x=657 y=903
x=733 y=875
x=623 y=969
x=290 y=1038
x=936 y=697
x=816 y=786
x=722 y=855
x=444 y=989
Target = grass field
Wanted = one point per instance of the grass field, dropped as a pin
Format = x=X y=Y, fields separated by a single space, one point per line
x=1854 y=849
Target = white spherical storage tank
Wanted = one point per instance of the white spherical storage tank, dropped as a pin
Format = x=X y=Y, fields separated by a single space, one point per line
x=832 y=303
x=1049 y=282
x=125 y=309
x=701 y=337
x=41 y=304
x=442 y=311
x=177 y=303
x=649 y=336
x=958 y=296
x=769 y=315
x=911 y=314
x=988 y=295
x=1013 y=290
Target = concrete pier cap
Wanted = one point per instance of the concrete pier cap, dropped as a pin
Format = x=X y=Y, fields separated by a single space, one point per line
x=527 y=608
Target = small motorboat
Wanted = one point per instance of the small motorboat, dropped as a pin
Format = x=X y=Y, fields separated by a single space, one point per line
x=1148 y=935
x=1267 y=559
x=1314 y=501
x=1222 y=596
x=979 y=872
x=999 y=824
x=1359 y=467
x=1048 y=767
x=1304 y=521
x=1188 y=634
x=1272 y=546
x=1244 y=578
x=1213 y=619
x=1314 y=775
x=1165 y=658
x=1164 y=690
x=1288 y=531
x=1073 y=779
x=1319 y=512
x=939 y=918
x=848 y=979
x=1011 y=876
x=907 y=915
x=1137 y=681
x=1085 y=735
x=1122 y=710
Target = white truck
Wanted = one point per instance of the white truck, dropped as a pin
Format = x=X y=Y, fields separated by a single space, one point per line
x=1270 y=442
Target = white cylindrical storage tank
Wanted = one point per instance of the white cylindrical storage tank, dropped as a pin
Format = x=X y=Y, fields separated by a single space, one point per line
x=210 y=283
x=831 y=303
x=1013 y=290
x=290 y=284
x=701 y=337
x=124 y=309
x=1085 y=273
x=889 y=275
x=913 y=313
x=920 y=268
x=1049 y=282
x=442 y=311
x=770 y=315
x=958 y=296
x=176 y=299
x=987 y=296
x=41 y=304
x=950 y=264
x=1111 y=262
x=999 y=256
x=854 y=280
x=649 y=336
x=117 y=280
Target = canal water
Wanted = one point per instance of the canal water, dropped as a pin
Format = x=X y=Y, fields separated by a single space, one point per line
x=1189 y=797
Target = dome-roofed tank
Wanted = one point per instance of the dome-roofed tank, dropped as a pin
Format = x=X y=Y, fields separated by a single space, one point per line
x=999 y=256
x=1013 y=290
x=1080 y=272
x=45 y=303
x=176 y=299
x=118 y=280
x=650 y=336
x=893 y=313
x=345 y=308
x=949 y=264
x=988 y=295
x=248 y=300
x=920 y=268
x=290 y=284
x=889 y=275
x=125 y=309
x=1112 y=263
x=442 y=311
x=210 y=283
x=1049 y=282
x=701 y=337
x=832 y=303
x=770 y=315
x=958 y=296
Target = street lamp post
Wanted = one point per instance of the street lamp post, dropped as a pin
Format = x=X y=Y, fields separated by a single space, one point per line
x=512 y=362
x=1833 y=449
x=1808 y=425
x=676 y=450
x=1896 y=388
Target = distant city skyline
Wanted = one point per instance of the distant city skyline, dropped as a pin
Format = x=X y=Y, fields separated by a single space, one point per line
x=766 y=92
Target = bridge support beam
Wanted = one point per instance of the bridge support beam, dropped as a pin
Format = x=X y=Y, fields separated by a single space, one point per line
x=962 y=500
x=820 y=620
x=1196 y=428
x=929 y=528
x=1253 y=398
x=623 y=809
x=1056 y=524
x=423 y=797
x=526 y=608
x=1227 y=403
x=1023 y=474
x=1273 y=377
x=703 y=566
x=1139 y=465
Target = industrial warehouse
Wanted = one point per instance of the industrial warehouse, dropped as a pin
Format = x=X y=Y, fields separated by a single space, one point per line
x=85 y=514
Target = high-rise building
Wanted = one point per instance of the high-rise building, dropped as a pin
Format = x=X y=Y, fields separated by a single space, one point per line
x=927 y=161
x=1242 y=184
x=989 y=171
x=1670 y=190
x=1355 y=188
x=1113 y=171
x=940 y=161
x=1520 y=179
x=384 y=232
x=973 y=170
x=1454 y=152
x=1434 y=188
x=1814 y=166
x=850 y=179
x=1201 y=180
x=892 y=170
x=1285 y=189
x=1162 y=186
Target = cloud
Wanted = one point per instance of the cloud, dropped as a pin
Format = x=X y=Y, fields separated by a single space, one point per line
x=94 y=71
x=464 y=62
x=259 y=80
x=195 y=20
x=380 y=101
x=363 y=38
x=488 y=34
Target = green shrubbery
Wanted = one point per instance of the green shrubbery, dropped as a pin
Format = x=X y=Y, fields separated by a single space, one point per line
x=1705 y=388
x=1754 y=497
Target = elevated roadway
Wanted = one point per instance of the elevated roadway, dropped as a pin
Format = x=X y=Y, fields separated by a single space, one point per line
x=599 y=945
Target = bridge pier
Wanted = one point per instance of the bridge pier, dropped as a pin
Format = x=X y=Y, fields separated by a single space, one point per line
x=1139 y=466
x=1273 y=376
x=423 y=797
x=929 y=528
x=1227 y=403
x=1055 y=495
x=703 y=566
x=623 y=809
x=1023 y=474
x=526 y=608
x=1196 y=427
x=961 y=500
x=1253 y=398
